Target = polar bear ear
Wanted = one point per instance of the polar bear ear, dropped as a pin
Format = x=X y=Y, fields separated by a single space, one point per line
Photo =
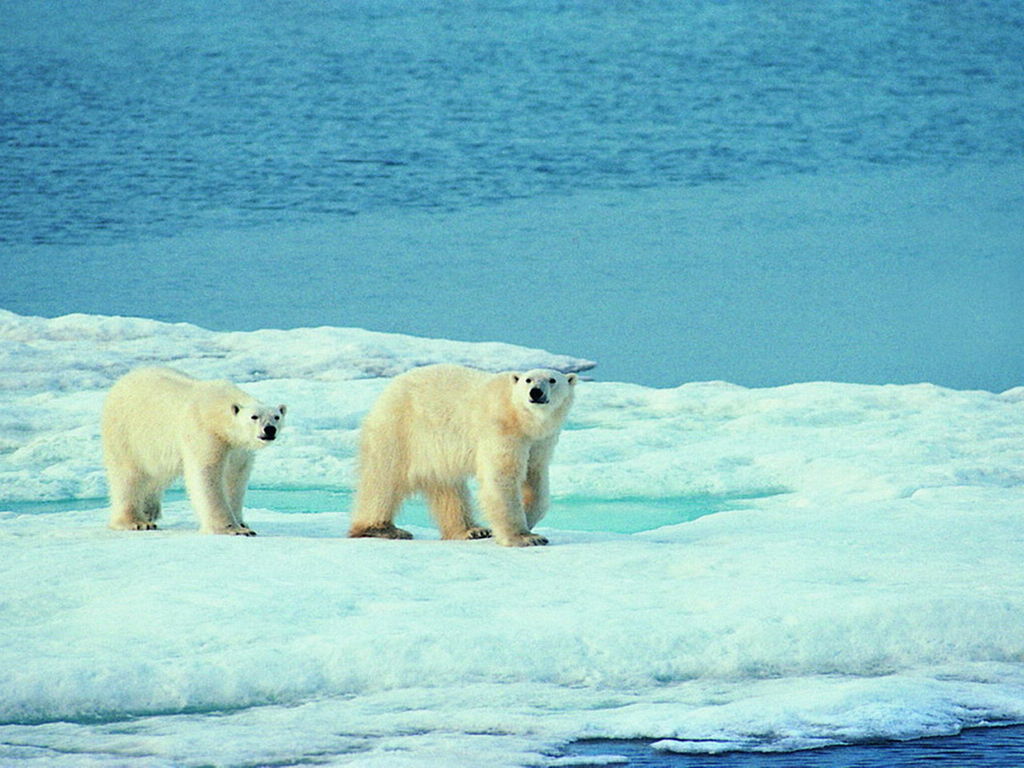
x=572 y=378
x=283 y=409
x=515 y=378
x=235 y=409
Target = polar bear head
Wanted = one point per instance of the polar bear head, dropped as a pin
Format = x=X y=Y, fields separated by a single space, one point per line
x=542 y=388
x=254 y=425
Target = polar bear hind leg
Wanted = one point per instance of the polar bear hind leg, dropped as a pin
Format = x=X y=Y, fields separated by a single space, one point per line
x=453 y=511
x=374 y=516
x=135 y=501
x=383 y=484
x=378 y=497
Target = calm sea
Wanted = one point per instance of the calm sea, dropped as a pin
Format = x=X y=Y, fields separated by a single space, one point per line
x=171 y=158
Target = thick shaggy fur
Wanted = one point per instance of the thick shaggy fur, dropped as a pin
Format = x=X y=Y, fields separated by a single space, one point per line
x=434 y=427
x=159 y=424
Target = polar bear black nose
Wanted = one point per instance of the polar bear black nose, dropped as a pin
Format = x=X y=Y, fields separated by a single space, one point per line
x=537 y=395
x=269 y=431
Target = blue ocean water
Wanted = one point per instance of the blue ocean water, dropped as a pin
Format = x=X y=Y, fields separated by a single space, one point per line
x=127 y=120
x=976 y=748
x=418 y=167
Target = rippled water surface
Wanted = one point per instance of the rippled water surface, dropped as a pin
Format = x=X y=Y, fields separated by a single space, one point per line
x=120 y=120
x=761 y=193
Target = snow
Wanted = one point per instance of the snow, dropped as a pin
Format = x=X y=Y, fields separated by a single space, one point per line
x=846 y=569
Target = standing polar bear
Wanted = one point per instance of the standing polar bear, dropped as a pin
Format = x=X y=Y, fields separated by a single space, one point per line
x=159 y=424
x=433 y=427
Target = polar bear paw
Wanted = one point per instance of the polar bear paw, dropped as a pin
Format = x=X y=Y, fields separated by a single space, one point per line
x=478 y=533
x=133 y=525
x=385 y=531
x=230 y=530
x=525 y=540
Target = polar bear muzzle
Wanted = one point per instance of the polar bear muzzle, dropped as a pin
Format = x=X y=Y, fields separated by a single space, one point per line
x=266 y=422
x=539 y=388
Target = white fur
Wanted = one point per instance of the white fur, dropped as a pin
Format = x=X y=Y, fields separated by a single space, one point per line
x=159 y=424
x=434 y=427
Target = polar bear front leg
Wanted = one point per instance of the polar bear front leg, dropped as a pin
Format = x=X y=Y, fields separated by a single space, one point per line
x=501 y=477
x=536 y=489
x=236 y=480
x=205 y=483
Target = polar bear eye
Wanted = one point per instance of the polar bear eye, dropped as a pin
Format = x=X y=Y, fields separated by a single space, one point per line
x=254 y=417
x=529 y=381
x=551 y=381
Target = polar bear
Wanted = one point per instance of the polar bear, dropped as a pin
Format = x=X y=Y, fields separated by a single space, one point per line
x=435 y=426
x=159 y=424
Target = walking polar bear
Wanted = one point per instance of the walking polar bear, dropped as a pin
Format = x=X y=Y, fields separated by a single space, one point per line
x=433 y=427
x=159 y=424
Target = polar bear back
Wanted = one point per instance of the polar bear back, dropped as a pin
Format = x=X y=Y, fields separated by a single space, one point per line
x=428 y=418
x=150 y=412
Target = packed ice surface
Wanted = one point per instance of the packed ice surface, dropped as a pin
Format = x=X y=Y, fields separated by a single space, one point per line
x=861 y=578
